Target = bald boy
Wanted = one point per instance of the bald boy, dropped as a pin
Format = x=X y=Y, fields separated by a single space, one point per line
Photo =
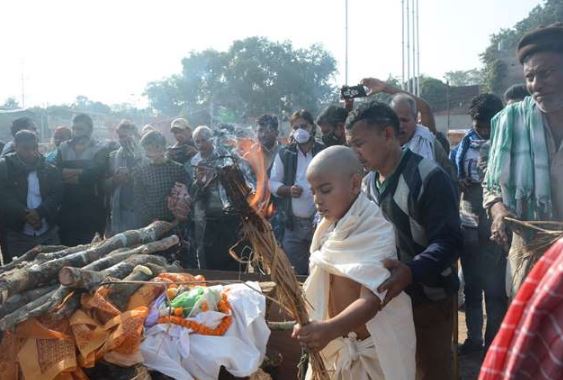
x=346 y=268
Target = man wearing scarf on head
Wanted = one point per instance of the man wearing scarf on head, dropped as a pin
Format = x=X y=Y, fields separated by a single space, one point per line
x=30 y=197
x=525 y=168
x=119 y=185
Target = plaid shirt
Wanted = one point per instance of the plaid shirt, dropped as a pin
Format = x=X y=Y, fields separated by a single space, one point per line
x=529 y=344
x=152 y=186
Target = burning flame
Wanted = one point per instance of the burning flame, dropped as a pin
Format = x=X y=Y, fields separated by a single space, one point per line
x=260 y=199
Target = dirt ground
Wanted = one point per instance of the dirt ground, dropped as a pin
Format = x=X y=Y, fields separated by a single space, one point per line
x=469 y=365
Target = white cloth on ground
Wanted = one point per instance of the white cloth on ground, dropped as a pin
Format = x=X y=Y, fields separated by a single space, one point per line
x=422 y=142
x=355 y=248
x=173 y=351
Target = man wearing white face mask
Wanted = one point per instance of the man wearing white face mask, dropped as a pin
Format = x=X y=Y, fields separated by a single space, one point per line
x=288 y=182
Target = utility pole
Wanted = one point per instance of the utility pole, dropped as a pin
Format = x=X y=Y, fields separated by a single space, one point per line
x=23 y=84
x=346 y=43
x=417 y=51
x=408 y=32
x=403 y=83
x=413 y=49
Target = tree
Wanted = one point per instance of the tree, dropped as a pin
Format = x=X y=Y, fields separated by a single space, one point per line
x=83 y=104
x=507 y=39
x=434 y=91
x=464 y=77
x=10 y=104
x=254 y=76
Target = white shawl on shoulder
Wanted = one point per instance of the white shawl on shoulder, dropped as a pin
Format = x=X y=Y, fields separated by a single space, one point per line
x=355 y=248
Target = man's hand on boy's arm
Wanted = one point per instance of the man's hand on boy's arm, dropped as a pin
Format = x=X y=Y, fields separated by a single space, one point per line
x=401 y=277
x=317 y=334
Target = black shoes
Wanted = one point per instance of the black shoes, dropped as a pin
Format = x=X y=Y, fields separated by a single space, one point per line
x=469 y=347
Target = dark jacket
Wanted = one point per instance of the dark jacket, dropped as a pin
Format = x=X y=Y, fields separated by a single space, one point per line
x=288 y=156
x=84 y=205
x=13 y=191
x=420 y=201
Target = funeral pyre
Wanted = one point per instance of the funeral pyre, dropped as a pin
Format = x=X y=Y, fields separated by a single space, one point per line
x=83 y=312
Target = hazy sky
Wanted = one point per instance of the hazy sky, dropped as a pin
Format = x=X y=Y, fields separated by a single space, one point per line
x=108 y=50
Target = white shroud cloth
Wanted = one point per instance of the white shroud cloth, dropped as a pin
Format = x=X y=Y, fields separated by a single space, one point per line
x=355 y=248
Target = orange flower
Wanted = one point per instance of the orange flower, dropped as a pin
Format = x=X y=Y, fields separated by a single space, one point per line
x=223 y=306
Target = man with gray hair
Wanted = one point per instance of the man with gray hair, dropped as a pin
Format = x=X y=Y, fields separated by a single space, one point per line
x=524 y=177
x=119 y=184
x=210 y=206
x=420 y=138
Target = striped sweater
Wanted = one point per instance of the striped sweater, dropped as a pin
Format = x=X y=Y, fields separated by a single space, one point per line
x=420 y=201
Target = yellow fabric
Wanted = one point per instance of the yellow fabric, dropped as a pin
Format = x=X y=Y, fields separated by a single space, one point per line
x=100 y=329
x=48 y=352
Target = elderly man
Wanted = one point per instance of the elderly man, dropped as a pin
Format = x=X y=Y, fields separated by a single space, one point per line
x=210 y=206
x=418 y=137
x=119 y=185
x=83 y=162
x=419 y=199
x=30 y=196
x=525 y=169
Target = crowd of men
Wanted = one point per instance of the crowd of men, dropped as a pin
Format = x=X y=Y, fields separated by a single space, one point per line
x=444 y=203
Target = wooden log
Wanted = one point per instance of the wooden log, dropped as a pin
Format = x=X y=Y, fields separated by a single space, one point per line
x=71 y=304
x=119 y=294
x=48 y=256
x=79 y=278
x=25 y=312
x=124 y=253
x=19 y=300
x=38 y=275
x=30 y=256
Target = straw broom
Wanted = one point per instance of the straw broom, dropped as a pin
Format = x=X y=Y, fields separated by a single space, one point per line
x=269 y=255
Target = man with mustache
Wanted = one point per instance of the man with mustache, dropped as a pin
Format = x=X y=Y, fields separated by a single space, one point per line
x=83 y=162
x=525 y=168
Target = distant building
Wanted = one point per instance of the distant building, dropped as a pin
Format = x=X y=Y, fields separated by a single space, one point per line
x=452 y=114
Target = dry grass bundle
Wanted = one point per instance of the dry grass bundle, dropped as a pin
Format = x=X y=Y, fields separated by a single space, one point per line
x=269 y=255
x=538 y=237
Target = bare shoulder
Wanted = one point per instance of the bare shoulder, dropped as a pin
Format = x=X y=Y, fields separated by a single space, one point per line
x=343 y=291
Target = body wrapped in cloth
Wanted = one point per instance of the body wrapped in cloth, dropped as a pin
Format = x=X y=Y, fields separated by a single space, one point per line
x=355 y=248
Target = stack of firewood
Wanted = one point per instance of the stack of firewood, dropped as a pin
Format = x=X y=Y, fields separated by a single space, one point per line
x=51 y=279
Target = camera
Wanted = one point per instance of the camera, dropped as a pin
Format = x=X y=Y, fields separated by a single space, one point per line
x=351 y=92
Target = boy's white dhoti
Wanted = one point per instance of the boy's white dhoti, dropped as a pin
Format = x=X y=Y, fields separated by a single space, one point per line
x=355 y=248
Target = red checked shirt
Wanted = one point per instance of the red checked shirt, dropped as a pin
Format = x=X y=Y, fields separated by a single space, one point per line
x=529 y=344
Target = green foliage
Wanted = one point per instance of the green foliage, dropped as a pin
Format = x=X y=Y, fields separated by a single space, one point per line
x=10 y=104
x=83 y=104
x=434 y=91
x=253 y=77
x=464 y=77
x=548 y=12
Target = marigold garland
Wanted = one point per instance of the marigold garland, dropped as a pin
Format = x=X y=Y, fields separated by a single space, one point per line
x=223 y=306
